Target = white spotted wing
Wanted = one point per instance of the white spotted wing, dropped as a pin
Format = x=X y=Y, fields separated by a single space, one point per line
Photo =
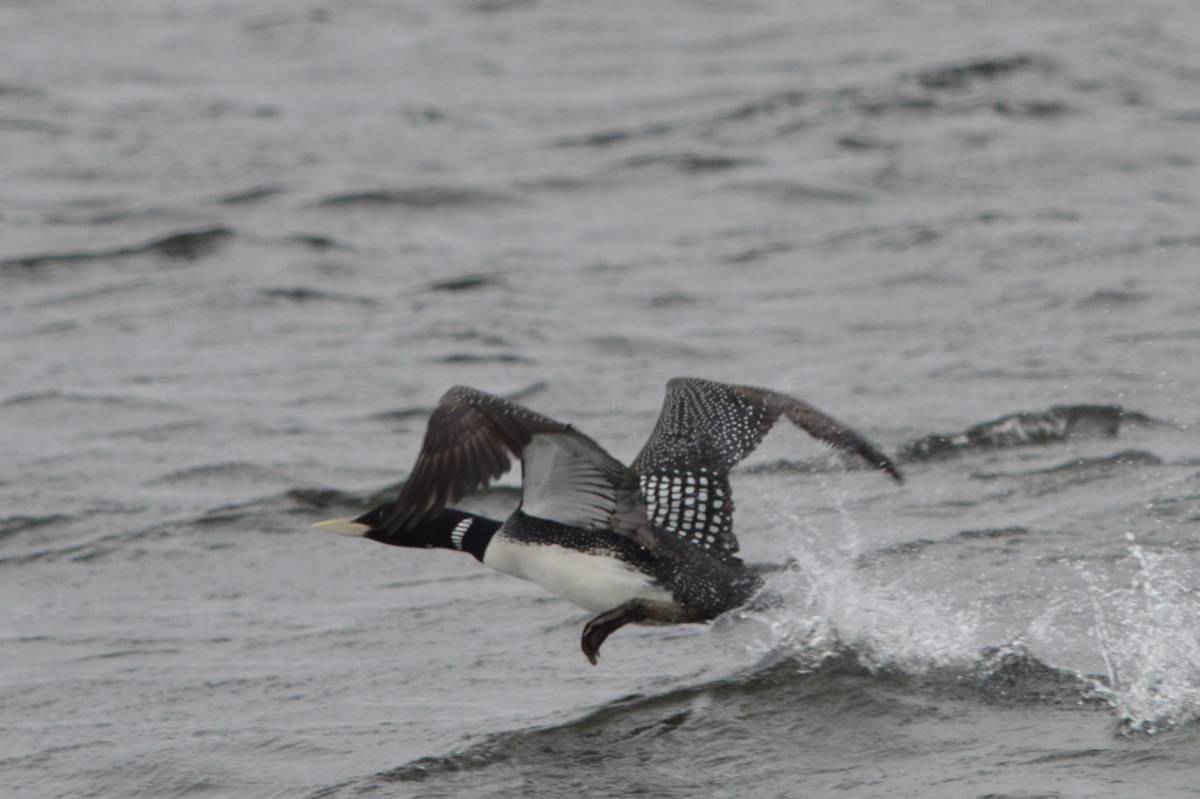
x=704 y=429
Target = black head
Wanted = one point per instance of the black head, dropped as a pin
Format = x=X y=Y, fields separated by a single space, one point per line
x=440 y=528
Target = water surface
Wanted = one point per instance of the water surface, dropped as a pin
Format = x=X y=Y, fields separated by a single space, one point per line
x=245 y=247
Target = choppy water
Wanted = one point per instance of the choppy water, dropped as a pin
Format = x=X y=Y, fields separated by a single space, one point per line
x=245 y=246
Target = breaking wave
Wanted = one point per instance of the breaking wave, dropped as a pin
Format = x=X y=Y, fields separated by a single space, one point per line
x=1028 y=428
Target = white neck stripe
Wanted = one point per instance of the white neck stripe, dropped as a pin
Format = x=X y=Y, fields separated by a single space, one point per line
x=460 y=530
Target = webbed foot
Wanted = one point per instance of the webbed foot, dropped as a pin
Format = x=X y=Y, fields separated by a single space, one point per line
x=599 y=628
x=634 y=611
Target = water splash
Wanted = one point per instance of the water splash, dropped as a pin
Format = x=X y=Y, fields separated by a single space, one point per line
x=831 y=604
x=1149 y=637
x=1145 y=622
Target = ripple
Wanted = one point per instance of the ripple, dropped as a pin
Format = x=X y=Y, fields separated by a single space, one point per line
x=482 y=357
x=1109 y=299
x=68 y=402
x=251 y=195
x=11 y=525
x=305 y=294
x=465 y=283
x=962 y=74
x=791 y=192
x=87 y=550
x=186 y=245
x=611 y=136
x=686 y=163
x=316 y=241
x=1104 y=464
x=234 y=473
x=30 y=125
x=766 y=105
x=434 y=197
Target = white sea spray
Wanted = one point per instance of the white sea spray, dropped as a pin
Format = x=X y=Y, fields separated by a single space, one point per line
x=831 y=603
x=1148 y=634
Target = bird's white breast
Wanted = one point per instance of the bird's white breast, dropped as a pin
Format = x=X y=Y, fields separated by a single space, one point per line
x=594 y=582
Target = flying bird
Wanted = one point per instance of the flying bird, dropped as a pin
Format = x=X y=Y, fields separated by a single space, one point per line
x=642 y=544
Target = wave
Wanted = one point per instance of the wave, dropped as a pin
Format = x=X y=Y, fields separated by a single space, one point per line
x=85 y=549
x=831 y=461
x=251 y=195
x=975 y=85
x=688 y=163
x=188 y=245
x=306 y=294
x=433 y=197
x=843 y=656
x=68 y=399
x=12 y=525
x=11 y=89
x=1108 y=300
x=801 y=696
x=32 y=125
x=1146 y=630
x=464 y=283
x=790 y=192
x=233 y=473
x=498 y=6
x=962 y=74
x=610 y=136
x=1075 y=472
x=482 y=357
x=1015 y=430
x=1029 y=428
x=316 y=241
x=782 y=703
x=1004 y=84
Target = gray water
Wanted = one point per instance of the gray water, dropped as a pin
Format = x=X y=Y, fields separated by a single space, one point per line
x=245 y=246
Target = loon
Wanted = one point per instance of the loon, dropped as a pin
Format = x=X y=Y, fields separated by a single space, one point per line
x=644 y=544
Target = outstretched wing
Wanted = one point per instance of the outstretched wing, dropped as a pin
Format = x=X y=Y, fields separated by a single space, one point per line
x=471 y=439
x=570 y=479
x=704 y=429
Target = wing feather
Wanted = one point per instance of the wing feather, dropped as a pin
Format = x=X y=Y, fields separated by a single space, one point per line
x=706 y=428
x=568 y=479
x=472 y=438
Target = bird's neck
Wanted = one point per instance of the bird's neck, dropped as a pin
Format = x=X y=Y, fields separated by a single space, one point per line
x=445 y=528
